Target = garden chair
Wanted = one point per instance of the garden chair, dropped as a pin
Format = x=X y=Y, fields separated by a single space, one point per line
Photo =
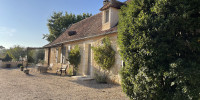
x=62 y=69
x=50 y=66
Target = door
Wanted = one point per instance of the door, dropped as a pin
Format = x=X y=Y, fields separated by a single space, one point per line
x=89 y=60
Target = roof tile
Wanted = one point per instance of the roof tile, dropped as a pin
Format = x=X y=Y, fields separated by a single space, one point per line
x=91 y=26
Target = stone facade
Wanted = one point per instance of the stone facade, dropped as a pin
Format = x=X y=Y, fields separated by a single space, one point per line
x=89 y=33
x=87 y=66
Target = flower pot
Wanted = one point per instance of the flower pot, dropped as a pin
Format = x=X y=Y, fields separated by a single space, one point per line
x=74 y=72
x=22 y=68
x=26 y=71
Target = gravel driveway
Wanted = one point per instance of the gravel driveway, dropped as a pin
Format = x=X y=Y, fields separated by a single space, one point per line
x=15 y=85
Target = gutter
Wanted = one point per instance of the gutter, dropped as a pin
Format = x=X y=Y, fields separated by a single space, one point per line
x=106 y=33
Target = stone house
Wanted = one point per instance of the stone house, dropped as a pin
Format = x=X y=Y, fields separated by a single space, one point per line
x=86 y=34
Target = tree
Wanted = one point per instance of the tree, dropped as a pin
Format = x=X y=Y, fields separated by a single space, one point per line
x=30 y=55
x=7 y=58
x=2 y=52
x=17 y=51
x=1 y=47
x=159 y=42
x=38 y=55
x=75 y=57
x=58 y=23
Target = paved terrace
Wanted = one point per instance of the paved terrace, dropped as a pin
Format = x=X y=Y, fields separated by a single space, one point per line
x=15 y=85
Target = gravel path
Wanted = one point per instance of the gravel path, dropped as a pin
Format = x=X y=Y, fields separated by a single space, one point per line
x=15 y=85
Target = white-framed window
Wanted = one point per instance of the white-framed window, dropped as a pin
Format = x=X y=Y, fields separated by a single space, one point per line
x=56 y=55
x=107 y=16
x=69 y=49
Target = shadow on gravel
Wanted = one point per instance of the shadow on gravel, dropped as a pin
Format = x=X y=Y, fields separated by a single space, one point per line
x=9 y=68
x=30 y=75
x=52 y=74
x=94 y=84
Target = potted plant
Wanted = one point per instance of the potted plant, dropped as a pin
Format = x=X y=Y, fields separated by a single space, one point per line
x=22 y=68
x=26 y=71
x=74 y=58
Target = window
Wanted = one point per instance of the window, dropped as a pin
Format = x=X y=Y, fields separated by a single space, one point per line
x=107 y=16
x=64 y=54
x=56 y=55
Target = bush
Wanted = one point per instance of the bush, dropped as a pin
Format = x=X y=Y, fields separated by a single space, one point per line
x=70 y=71
x=7 y=58
x=19 y=65
x=8 y=65
x=75 y=57
x=104 y=55
x=160 y=45
x=100 y=78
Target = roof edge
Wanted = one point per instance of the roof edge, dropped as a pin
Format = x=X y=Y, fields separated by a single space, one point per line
x=106 y=33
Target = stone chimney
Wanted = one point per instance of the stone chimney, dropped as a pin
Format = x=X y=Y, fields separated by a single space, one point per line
x=112 y=1
x=105 y=2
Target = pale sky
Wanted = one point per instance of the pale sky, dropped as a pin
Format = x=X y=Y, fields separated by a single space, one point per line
x=23 y=22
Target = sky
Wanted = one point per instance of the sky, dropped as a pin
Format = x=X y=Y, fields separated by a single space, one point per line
x=23 y=22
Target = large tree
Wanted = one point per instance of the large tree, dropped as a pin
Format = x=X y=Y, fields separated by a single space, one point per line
x=17 y=51
x=2 y=47
x=7 y=58
x=160 y=44
x=58 y=23
x=2 y=52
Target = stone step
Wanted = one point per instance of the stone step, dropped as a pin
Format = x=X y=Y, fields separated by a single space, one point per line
x=82 y=78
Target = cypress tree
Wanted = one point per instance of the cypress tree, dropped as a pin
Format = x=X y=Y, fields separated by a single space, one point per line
x=160 y=44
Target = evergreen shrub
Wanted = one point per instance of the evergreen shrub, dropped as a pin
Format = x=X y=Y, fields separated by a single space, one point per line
x=159 y=42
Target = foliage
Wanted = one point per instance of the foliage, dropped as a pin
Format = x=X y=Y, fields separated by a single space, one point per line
x=1 y=47
x=36 y=56
x=19 y=65
x=58 y=23
x=70 y=71
x=159 y=43
x=75 y=57
x=7 y=58
x=16 y=51
x=39 y=56
x=30 y=56
x=41 y=61
x=104 y=55
x=3 y=53
x=100 y=78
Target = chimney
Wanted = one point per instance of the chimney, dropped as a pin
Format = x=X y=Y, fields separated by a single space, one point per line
x=105 y=2
x=112 y=1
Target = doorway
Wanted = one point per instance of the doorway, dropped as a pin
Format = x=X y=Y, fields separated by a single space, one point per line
x=89 y=60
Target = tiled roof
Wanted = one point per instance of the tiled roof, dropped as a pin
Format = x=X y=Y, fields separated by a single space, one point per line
x=114 y=3
x=88 y=27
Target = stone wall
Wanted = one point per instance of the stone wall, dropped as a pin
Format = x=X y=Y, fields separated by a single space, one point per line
x=87 y=65
x=12 y=64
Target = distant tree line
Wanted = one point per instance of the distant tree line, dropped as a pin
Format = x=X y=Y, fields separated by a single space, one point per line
x=19 y=53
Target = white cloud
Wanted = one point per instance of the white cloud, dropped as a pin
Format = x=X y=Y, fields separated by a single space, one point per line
x=7 y=31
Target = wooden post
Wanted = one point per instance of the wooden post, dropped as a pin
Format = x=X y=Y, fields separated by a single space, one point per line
x=27 y=57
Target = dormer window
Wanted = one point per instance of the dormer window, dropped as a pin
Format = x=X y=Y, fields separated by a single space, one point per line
x=70 y=33
x=107 y=16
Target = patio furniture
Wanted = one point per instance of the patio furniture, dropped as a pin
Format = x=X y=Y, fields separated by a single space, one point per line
x=50 y=66
x=63 y=69
x=42 y=69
